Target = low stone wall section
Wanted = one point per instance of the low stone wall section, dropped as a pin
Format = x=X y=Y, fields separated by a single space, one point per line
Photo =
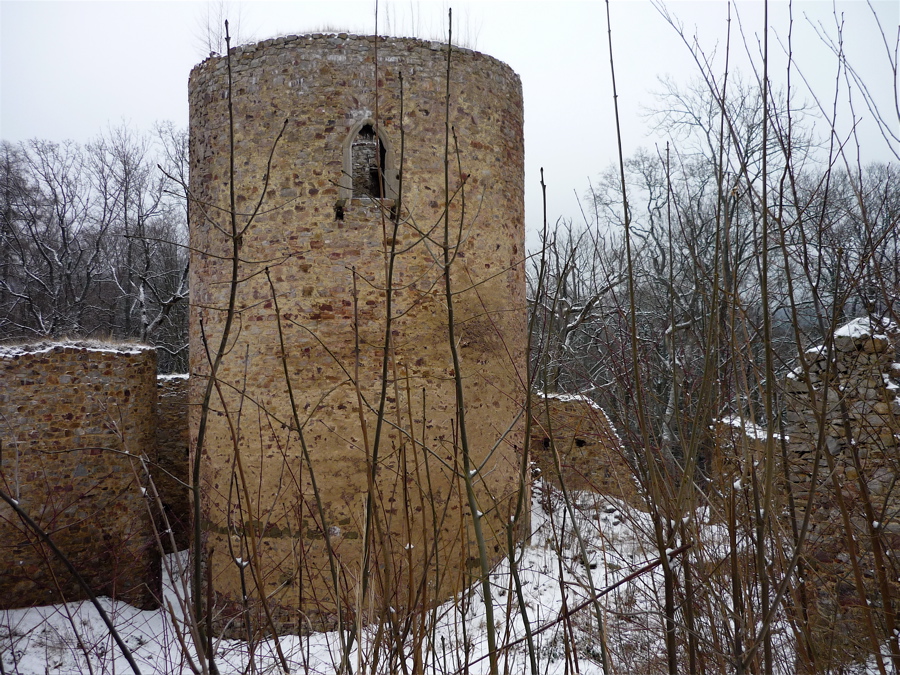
x=591 y=455
x=74 y=419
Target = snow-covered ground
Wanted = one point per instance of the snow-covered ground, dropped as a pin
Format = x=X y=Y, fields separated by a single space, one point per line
x=554 y=579
x=72 y=638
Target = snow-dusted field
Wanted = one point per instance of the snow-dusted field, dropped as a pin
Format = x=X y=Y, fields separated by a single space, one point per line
x=72 y=638
x=555 y=582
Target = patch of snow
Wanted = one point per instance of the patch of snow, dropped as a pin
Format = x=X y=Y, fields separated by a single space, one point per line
x=581 y=398
x=750 y=429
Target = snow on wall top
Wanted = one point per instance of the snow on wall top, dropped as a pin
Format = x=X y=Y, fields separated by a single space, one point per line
x=853 y=334
x=866 y=327
x=13 y=351
x=569 y=397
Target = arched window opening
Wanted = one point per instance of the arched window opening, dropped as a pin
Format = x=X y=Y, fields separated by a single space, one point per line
x=368 y=159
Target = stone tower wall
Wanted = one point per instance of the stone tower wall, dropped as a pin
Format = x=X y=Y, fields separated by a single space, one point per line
x=72 y=420
x=327 y=253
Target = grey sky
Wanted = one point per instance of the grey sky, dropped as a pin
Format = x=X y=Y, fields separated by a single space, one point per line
x=70 y=69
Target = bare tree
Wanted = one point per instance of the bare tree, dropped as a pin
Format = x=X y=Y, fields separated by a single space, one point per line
x=93 y=240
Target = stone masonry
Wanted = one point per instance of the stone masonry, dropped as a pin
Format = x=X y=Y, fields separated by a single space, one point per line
x=73 y=419
x=591 y=454
x=849 y=393
x=326 y=241
x=171 y=473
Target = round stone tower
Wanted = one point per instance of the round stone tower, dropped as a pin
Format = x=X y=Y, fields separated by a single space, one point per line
x=332 y=466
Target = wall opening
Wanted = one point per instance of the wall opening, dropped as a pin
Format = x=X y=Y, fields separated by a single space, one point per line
x=369 y=168
x=368 y=158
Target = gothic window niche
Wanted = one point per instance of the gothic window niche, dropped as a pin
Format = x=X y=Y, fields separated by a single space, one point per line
x=369 y=170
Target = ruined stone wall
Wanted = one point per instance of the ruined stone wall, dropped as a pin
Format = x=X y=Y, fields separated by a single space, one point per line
x=590 y=452
x=860 y=414
x=171 y=472
x=327 y=254
x=849 y=396
x=72 y=419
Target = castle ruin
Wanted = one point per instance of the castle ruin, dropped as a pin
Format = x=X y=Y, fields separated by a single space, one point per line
x=349 y=182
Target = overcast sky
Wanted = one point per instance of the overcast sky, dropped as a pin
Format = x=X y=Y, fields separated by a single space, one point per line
x=68 y=70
